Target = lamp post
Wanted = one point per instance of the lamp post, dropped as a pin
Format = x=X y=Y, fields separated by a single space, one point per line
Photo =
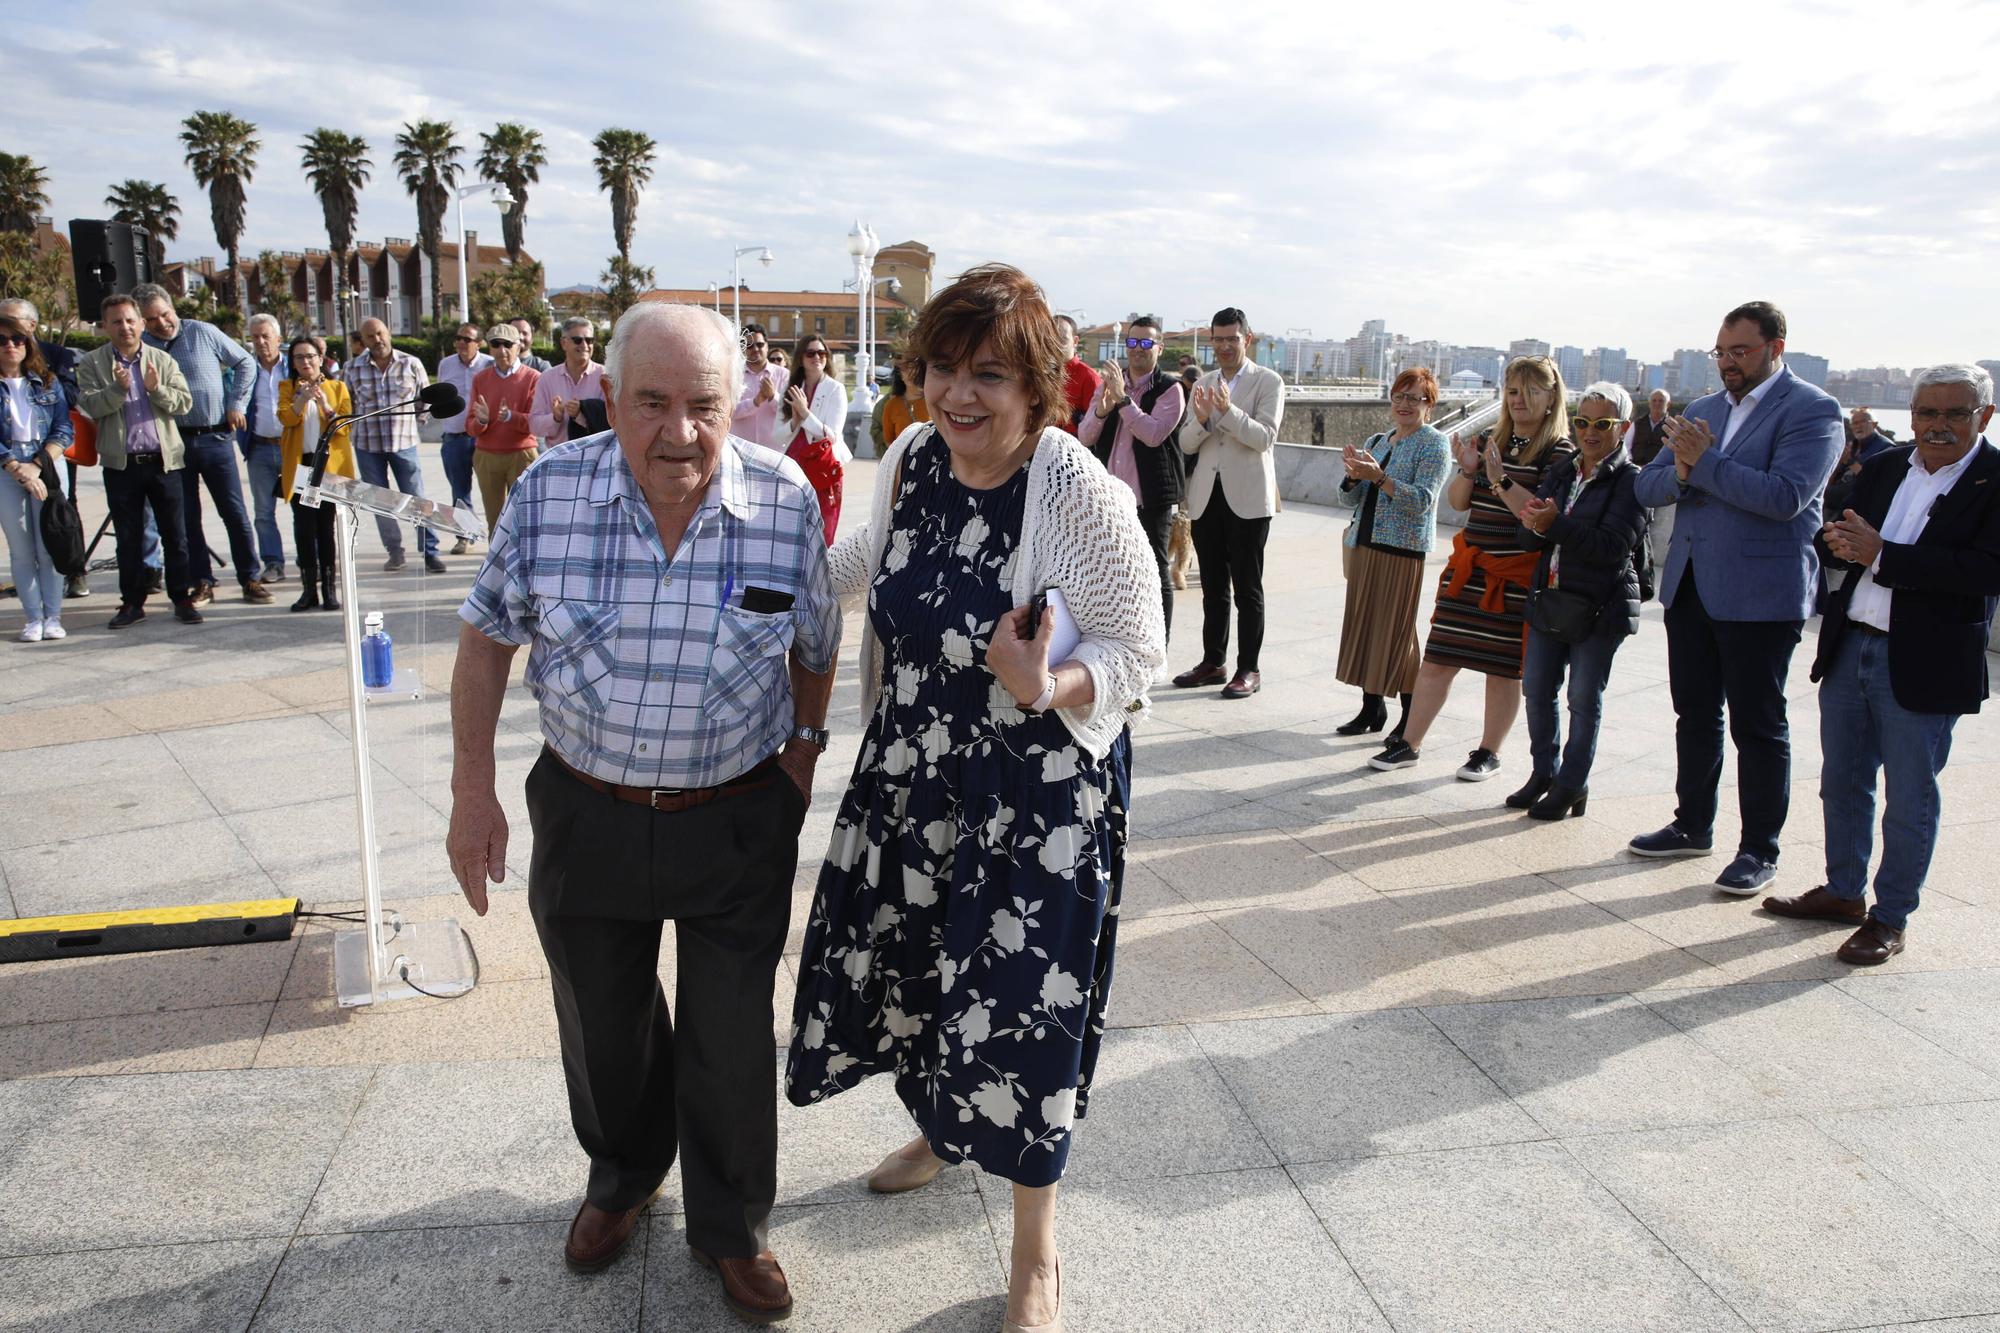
x=863 y=246
x=503 y=201
x=1298 y=349
x=715 y=296
x=1194 y=328
x=736 y=279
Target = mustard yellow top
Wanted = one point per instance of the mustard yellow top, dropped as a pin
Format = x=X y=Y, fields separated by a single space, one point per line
x=292 y=444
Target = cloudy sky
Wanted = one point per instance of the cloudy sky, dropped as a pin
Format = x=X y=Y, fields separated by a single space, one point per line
x=1478 y=172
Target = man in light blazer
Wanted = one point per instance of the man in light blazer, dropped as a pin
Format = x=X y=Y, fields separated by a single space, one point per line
x=1232 y=492
x=1744 y=470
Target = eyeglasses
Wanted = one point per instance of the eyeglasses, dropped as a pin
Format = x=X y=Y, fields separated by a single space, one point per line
x=755 y=347
x=1409 y=400
x=461 y=338
x=1930 y=416
x=1142 y=344
x=818 y=352
x=13 y=340
x=1595 y=423
x=1735 y=353
x=583 y=342
x=499 y=343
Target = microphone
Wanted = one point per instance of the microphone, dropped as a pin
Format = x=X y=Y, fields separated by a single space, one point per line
x=442 y=400
x=439 y=399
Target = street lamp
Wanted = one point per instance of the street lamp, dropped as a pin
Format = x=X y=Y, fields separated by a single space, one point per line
x=501 y=200
x=736 y=279
x=1194 y=328
x=863 y=246
x=1297 y=349
x=715 y=295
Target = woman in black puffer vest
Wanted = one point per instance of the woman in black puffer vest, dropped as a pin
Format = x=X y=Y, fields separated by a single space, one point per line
x=1589 y=526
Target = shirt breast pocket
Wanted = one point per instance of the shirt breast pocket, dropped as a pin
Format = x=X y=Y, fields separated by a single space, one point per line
x=747 y=663
x=582 y=649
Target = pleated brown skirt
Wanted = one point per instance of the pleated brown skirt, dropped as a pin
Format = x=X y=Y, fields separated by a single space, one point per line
x=1378 y=630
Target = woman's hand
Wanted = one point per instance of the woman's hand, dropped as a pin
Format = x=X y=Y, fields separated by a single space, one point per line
x=1361 y=465
x=1465 y=452
x=1496 y=471
x=1021 y=665
x=1539 y=516
x=30 y=480
x=795 y=399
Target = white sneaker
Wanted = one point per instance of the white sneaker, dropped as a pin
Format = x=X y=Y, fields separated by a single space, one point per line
x=52 y=629
x=31 y=632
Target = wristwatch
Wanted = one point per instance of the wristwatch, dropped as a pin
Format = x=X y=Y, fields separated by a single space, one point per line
x=1507 y=483
x=812 y=736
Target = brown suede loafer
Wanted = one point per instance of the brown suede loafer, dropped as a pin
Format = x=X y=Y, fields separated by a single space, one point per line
x=1873 y=943
x=597 y=1237
x=755 y=1288
x=1819 y=904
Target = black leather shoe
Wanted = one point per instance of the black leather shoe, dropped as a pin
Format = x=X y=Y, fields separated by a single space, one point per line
x=128 y=615
x=186 y=614
x=1748 y=873
x=433 y=565
x=1207 y=673
x=1670 y=841
x=1873 y=943
x=1532 y=792
x=1374 y=716
x=1561 y=803
x=1819 y=904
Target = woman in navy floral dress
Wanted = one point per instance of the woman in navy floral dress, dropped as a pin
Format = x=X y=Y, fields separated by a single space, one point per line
x=962 y=935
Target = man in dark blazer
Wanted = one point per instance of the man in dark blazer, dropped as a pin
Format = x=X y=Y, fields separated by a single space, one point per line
x=1744 y=470
x=1902 y=653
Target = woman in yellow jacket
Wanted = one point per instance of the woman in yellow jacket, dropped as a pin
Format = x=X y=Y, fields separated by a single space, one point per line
x=305 y=402
x=904 y=406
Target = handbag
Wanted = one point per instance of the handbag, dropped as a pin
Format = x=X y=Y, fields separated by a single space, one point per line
x=62 y=526
x=1568 y=617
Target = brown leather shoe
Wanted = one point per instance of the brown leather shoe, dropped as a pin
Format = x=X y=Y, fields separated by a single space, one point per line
x=597 y=1237
x=755 y=1288
x=1819 y=904
x=1207 y=673
x=1873 y=943
x=253 y=591
x=1243 y=686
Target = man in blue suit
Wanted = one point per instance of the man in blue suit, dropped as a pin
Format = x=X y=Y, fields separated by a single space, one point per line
x=1744 y=469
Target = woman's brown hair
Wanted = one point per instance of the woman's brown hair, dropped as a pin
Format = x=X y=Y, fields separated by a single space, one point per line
x=1541 y=373
x=1000 y=304
x=1418 y=377
x=796 y=379
x=34 y=363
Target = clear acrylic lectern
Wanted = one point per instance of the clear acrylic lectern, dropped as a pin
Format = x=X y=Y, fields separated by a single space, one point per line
x=388 y=958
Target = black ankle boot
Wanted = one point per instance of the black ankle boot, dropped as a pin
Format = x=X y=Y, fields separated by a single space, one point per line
x=1396 y=733
x=329 y=591
x=1538 y=783
x=1374 y=716
x=1561 y=803
x=308 y=596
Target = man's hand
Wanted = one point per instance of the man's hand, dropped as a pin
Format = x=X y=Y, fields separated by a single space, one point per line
x=798 y=759
x=1114 y=382
x=150 y=377
x=1219 y=399
x=1852 y=539
x=481 y=410
x=123 y=376
x=766 y=391
x=237 y=421
x=556 y=409
x=476 y=843
x=569 y=407
x=1689 y=440
x=1539 y=516
x=1202 y=403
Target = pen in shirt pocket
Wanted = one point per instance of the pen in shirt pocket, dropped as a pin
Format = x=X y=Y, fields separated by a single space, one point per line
x=728 y=587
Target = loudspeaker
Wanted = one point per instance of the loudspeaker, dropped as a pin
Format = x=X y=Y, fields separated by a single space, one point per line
x=107 y=258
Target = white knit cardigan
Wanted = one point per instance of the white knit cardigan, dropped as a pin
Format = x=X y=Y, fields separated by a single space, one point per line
x=1079 y=532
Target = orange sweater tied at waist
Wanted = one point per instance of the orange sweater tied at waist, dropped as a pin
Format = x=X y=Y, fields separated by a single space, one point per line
x=1501 y=570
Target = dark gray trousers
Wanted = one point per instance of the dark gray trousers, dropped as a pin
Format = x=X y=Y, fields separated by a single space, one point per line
x=603 y=876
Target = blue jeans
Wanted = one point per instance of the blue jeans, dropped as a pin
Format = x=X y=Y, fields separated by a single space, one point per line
x=1862 y=729
x=36 y=581
x=375 y=470
x=458 y=450
x=150 y=554
x=261 y=459
x=211 y=461
x=1589 y=665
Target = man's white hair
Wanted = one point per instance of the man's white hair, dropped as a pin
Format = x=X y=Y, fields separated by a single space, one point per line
x=20 y=307
x=665 y=315
x=1956 y=372
x=1613 y=394
x=263 y=317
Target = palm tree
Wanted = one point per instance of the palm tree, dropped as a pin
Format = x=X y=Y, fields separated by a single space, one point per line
x=336 y=163
x=147 y=204
x=427 y=158
x=24 y=192
x=222 y=153
x=624 y=164
x=513 y=155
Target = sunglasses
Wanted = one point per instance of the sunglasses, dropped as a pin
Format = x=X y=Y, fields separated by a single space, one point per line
x=584 y=342
x=13 y=340
x=815 y=352
x=461 y=338
x=1596 y=423
x=1143 y=344
x=498 y=343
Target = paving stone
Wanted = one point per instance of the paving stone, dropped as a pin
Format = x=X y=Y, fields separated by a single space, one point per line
x=1178 y=969
x=200 y=861
x=1772 y=1215
x=502 y=1020
x=63 y=989
x=1959 y=1011
x=198 y=706
x=1947 y=1156
x=1410 y=853
x=173 y=1157
x=25 y=1104
x=260 y=765
x=1595 y=1063
x=64 y=724
x=163 y=1289
x=497 y=1277
x=837 y=1258
x=183 y=1039
x=312 y=852
x=1815 y=1048
x=1353 y=1085
x=1263 y=1260
x=1159 y=1108
x=1238 y=872
x=1534 y=1244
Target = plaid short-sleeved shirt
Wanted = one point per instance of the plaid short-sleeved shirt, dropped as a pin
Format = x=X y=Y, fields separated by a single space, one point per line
x=651 y=671
x=373 y=389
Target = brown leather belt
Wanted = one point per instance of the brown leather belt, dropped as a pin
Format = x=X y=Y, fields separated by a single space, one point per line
x=667 y=800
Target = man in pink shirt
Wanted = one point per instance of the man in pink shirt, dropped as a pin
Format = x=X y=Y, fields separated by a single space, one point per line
x=756 y=416
x=1130 y=427
x=503 y=396
x=558 y=413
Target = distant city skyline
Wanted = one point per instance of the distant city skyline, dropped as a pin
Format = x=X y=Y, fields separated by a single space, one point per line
x=1481 y=171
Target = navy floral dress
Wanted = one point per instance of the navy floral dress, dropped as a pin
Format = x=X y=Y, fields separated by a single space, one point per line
x=961 y=936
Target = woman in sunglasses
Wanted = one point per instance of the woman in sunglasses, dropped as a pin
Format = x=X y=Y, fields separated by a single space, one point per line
x=1588 y=525
x=810 y=420
x=37 y=426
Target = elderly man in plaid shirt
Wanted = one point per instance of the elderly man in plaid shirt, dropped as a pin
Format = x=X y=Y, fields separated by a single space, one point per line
x=670 y=582
x=387 y=446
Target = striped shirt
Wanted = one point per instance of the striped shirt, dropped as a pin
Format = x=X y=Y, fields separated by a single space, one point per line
x=650 y=671
x=374 y=388
x=203 y=352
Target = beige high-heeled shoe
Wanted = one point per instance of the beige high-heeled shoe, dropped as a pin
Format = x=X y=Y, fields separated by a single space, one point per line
x=897 y=1174
x=1053 y=1326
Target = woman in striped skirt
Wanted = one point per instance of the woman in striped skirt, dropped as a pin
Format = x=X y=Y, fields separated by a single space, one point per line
x=1480 y=622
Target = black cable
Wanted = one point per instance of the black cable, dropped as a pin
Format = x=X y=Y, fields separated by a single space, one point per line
x=352 y=914
x=404 y=972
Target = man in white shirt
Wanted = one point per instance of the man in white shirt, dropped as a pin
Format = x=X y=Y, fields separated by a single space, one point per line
x=1902 y=653
x=458 y=370
x=756 y=416
x=258 y=441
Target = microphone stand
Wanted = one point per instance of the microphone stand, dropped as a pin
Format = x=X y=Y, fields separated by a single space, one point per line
x=412 y=406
